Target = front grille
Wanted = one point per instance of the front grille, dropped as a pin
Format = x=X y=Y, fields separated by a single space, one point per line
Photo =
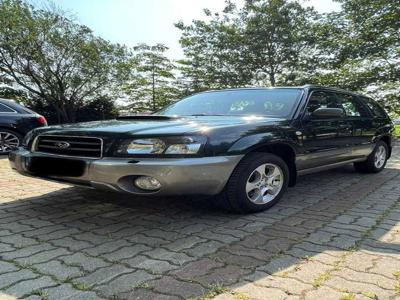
x=90 y=147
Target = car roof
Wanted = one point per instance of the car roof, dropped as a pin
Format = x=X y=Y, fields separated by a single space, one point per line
x=307 y=86
x=14 y=105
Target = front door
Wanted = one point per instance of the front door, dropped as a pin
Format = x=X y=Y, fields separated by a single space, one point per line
x=321 y=137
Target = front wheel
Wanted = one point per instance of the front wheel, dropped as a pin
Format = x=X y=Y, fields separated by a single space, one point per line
x=9 y=140
x=376 y=161
x=256 y=184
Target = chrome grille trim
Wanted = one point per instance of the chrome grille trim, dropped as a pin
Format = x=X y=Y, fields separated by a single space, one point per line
x=78 y=142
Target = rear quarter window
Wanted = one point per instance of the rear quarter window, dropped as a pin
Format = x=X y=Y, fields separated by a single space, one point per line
x=375 y=108
x=352 y=106
x=6 y=109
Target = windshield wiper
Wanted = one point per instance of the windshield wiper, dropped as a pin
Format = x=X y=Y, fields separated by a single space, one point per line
x=146 y=117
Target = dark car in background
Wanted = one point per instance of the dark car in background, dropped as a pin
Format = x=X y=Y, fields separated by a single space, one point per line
x=15 y=122
x=244 y=145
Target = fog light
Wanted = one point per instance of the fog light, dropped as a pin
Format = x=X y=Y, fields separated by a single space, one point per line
x=147 y=183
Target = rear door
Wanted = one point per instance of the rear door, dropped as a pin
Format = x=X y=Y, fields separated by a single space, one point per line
x=358 y=118
x=380 y=122
x=320 y=137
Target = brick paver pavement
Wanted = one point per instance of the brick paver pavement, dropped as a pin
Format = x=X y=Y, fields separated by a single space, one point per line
x=336 y=235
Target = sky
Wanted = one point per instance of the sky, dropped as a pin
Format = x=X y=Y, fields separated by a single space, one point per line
x=148 y=21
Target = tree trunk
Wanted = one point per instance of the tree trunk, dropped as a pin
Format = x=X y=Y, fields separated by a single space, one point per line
x=66 y=113
x=154 y=90
x=71 y=113
x=272 y=78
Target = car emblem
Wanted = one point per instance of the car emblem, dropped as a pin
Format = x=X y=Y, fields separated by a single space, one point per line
x=62 y=145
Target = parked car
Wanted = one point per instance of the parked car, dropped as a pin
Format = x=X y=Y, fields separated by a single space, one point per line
x=15 y=122
x=244 y=145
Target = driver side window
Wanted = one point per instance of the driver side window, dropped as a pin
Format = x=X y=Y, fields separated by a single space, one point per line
x=321 y=99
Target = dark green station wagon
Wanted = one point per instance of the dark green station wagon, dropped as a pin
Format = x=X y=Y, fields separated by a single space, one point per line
x=245 y=146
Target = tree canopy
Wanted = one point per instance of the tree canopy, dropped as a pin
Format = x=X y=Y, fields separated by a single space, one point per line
x=65 y=66
x=356 y=48
x=361 y=49
x=151 y=85
x=56 y=59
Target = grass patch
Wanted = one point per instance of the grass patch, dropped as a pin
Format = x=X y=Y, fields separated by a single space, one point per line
x=321 y=279
x=397 y=130
x=215 y=290
x=283 y=274
x=81 y=286
x=306 y=258
x=348 y=297
x=397 y=275
x=143 y=285
x=370 y=295
x=397 y=288
x=240 y=296
x=41 y=293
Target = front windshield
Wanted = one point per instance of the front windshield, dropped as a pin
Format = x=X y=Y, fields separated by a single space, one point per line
x=277 y=103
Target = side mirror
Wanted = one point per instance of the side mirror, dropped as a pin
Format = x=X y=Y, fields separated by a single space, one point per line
x=327 y=113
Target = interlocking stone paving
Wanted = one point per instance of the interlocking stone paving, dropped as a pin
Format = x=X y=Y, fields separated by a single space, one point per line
x=336 y=235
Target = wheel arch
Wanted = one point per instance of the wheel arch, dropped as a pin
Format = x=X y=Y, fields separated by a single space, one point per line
x=283 y=150
x=11 y=128
x=387 y=139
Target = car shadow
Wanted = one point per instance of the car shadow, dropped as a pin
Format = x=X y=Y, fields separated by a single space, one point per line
x=325 y=213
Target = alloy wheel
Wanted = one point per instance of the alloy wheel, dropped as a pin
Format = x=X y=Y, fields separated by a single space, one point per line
x=8 y=141
x=264 y=183
x=380 y=157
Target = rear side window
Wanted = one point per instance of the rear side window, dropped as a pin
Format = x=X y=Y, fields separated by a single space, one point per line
x=6 y=109
x=321 y=99
x=376 y=109
x=351 y=106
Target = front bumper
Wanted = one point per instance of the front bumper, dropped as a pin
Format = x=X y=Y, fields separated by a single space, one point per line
x=178 y=176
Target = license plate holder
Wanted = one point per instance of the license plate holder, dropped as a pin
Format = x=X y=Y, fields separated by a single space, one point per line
x=49 y=166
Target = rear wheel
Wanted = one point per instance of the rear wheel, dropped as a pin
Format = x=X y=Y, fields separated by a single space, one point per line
x=9 y=140
x=376 y=161
x=257 y=183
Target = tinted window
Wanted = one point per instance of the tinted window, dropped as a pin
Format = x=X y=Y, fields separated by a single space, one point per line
x=376 y=109
x=351 y=106
x=5 y=109
x=320 y=99
x=274 y=102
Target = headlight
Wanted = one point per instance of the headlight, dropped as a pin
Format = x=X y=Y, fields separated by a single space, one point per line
x=183 y=148
x=158 y=146
x=142 y=146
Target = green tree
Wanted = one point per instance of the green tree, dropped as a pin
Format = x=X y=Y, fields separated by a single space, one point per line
x=55 y=59
x=359 y=49
x=213 y=50
x=151 y=86
x=269 y=36
x=279 y=40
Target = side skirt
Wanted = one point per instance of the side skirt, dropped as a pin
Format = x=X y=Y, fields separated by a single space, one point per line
x=328 y=167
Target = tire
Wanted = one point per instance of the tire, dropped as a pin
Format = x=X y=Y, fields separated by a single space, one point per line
x=9 y=140
x=248 y=190
x=376 y=161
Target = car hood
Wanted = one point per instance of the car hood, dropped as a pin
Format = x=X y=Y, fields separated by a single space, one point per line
x=159 y=126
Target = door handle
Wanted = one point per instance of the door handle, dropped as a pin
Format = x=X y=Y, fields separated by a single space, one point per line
x=345 y=126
